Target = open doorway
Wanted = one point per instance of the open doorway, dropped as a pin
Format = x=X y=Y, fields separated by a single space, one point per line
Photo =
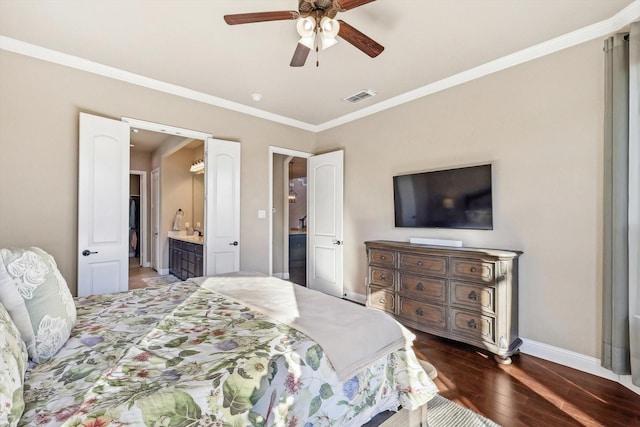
x=288 y=220
x=296 y=198
x=138 y=233
x=177 y=185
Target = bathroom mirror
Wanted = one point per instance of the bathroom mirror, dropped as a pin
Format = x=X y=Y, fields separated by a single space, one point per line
x=198 y=200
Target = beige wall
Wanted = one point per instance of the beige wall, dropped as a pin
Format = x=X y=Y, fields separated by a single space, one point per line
x=140 y=161
x=540 y=124
x=176 y=193
x=39 y=107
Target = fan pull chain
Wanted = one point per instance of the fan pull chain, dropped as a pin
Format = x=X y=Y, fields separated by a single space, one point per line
x=317 y=57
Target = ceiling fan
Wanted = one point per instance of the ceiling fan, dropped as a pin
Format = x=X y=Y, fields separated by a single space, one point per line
x=316 y=25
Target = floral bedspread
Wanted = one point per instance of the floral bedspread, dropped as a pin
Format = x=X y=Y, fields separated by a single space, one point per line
x=180 y=355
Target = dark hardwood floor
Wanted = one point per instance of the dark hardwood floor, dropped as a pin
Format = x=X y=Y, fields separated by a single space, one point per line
x=529 y=392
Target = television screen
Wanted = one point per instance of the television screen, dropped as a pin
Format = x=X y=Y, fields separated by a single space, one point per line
x=452 y=198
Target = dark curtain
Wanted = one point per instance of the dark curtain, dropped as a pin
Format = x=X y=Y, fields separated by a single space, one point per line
x=620 y=297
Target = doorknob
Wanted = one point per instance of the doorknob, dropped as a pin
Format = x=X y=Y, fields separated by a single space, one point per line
x=233 y=244
x=337 y=242
x=87 y=252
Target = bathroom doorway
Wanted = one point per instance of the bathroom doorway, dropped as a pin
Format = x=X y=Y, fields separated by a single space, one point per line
x=182 y=187
x=297 y=226
x=288 y=254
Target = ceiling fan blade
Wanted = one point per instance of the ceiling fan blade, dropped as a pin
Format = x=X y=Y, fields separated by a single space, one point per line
x=300 y=55
x=247 y=18
x=360 y=40
x=351 y=4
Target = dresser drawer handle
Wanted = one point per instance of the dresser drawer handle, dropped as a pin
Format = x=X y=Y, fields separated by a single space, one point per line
x=383 y=300
x=472 y=295
x=383 y=277
x=419 y=311
x=419 y=263
x=420 y=286
x=382 y=257
x=472 y=324
x=473 y=269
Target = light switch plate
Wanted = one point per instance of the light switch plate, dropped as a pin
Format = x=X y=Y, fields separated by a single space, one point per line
x=262 y=213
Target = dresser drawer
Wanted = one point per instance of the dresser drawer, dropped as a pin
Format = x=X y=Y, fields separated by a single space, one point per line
x=433 y=316
x=424 y=264
x=473 y=270
x=473 y=325
x=423 y=288
x=381 y=299
x=382 y=277
x=382 y=258
x=475 y=297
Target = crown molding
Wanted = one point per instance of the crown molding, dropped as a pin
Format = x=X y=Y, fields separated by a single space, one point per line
x=603 y=28
x=621 y=19
x=56 y=57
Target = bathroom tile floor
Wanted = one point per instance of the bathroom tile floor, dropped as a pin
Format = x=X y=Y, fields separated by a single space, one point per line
x=137 y=273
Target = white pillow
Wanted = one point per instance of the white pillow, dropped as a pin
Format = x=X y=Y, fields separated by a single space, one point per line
x=13 y=364
x=38 y=299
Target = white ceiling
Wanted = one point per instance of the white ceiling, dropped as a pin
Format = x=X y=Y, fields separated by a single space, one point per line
x=185 y=47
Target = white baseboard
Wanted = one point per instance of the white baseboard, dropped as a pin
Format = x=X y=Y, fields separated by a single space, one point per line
x=354 y=296
x=588 y=364
x=146 y=264
x=283 y=276
x=163 y=271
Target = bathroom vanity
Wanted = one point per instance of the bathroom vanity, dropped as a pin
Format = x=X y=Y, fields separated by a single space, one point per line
x=186 y=257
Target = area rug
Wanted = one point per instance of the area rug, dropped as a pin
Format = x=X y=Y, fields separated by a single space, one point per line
x=160 y=280
x=441 y=412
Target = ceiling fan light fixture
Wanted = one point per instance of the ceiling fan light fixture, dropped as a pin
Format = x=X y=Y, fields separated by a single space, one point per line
x=307 y=41
x=329 y=31
x=327 y=42
x=306 y=27
x=329 y=26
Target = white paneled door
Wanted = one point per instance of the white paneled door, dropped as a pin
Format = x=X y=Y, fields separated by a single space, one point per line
x=222 y=207
x=155 y=220
x=325 y=183
x=103 y=211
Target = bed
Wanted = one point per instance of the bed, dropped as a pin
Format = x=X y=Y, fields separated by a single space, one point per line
x=209 y=351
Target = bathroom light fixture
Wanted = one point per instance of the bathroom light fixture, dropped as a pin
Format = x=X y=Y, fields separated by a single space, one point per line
x=197 y=166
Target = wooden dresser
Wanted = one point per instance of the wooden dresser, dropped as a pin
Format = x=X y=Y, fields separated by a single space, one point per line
x=465 y=294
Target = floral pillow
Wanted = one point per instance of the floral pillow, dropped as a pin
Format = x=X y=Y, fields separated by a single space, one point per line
x=37 y=297
x=13 y=363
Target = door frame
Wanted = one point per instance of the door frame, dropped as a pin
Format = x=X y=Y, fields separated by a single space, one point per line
x=287 y=152
x=188 y=135
x=144 y=232
x=155 y=218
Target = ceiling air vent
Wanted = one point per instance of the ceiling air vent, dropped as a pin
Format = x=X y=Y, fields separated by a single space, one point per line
x=360 y=96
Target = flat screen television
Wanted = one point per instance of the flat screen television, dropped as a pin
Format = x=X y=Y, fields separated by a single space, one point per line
x=451 y=198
